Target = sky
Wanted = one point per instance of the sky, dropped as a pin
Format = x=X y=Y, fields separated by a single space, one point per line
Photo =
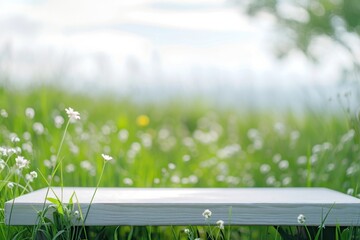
x=178 y=44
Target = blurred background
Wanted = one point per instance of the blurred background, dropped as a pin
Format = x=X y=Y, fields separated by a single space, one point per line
x=257 y=53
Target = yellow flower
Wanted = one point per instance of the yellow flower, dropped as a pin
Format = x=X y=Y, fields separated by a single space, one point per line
x=142 y=120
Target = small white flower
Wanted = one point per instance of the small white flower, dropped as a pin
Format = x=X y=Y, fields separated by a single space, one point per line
x=29 y=178
x=220 y=224
x=10 y=185
x=29 y=113
x=207 y=213
x=38 y=128
x=301 y=219
x=33 y=174
x=21 y=162
x=128 y=181
x=107 y=157
x=59 y=121
x=2 y=164
x=3 y=113
x=15 y=139
x=186 y=230
x=350 y=191
x=77 y=215
x=72 y=114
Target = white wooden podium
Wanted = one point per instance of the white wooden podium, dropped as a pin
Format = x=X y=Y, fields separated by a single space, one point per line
x=184 y=206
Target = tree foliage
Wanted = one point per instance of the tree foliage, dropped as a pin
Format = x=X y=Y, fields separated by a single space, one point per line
x=306 y=20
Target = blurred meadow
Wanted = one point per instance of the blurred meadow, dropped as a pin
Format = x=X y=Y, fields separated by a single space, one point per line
x=180 y=94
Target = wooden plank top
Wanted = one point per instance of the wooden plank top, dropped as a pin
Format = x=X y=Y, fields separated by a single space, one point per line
x=184 y=206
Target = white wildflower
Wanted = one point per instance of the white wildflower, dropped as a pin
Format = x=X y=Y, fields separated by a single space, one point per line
x=123 y=135
x=350 y=191
x=15 y=138
x=186 y=158
x=3 y=113
x=33 y=174
x=106 y=157
x=38 y=128
x=283 y=164
x=59 y=121
x=128 y=181
x=207 y=213
x=77 y=215
x=10 y=185
x=70 y=168
x=29 y=178
x=265 y=168
x=220 y=224
x=2 y=164
x=301 y=219
x=187 y=231
x=29 y=113
x=72 y=114
x=21 y=162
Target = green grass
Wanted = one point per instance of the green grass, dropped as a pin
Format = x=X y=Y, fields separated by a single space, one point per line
x=187 y=143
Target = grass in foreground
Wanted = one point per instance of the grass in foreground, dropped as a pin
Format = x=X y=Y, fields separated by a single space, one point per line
x=169 y=145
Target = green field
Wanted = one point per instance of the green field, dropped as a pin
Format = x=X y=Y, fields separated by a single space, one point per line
x=175 y=144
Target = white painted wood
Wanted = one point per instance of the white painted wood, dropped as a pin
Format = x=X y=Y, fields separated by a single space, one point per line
x=184 y=206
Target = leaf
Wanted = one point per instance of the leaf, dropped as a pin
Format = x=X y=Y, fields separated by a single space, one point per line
x=58 y=204
x=58 y=234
